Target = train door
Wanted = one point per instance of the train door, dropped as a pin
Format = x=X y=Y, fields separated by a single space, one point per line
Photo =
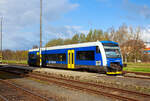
x=71 y=59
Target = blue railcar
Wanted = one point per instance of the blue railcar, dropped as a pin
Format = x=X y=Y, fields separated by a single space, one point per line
x=102 y=56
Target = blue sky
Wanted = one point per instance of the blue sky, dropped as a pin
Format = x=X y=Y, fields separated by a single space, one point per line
x=106 y=13
x=64 y=18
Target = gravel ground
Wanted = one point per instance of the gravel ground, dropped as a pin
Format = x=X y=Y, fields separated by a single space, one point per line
x=59 y=93
x=134 y=84
x=13 y=94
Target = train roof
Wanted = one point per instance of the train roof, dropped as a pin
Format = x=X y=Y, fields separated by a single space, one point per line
x=73 y=45
x=109 y=42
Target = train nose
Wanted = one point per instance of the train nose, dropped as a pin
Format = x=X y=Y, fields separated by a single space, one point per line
x=110 y=60
x=115 y=64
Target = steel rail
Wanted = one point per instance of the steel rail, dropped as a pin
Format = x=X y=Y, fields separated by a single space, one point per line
x=47 y=78
x=26 y=90
x=138 y=73
x=85 y=83
x=3 y=98
x=84 y=89
x=146 y=78
x=93 y=85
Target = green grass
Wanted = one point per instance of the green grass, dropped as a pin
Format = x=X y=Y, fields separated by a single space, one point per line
x=145 y=65
x=137 y=67
x=14 y=62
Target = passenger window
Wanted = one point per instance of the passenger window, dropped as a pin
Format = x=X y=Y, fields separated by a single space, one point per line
x=32 y=56
x=97 y=49
x=85 y=55
x=56 y=57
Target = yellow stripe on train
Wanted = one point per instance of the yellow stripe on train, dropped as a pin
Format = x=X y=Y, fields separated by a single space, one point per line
x=114 y=72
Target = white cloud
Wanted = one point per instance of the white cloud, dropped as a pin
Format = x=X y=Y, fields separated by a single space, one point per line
x=21 y=20
x=146 y=34
x=64 y=32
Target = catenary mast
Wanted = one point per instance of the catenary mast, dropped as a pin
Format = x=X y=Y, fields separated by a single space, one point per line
x=40 y=33
x=1 y=39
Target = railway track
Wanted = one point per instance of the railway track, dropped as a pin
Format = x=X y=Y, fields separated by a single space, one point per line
x=142 y=74
x=146 y=78
x=94 y=88
x=139 y=75
x=2 y=98
x=12 y=92
x=97 y=89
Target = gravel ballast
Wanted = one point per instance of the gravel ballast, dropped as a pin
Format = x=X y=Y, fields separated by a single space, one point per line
x=135 y=84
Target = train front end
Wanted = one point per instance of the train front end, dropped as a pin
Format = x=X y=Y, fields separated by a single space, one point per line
x=113 y=55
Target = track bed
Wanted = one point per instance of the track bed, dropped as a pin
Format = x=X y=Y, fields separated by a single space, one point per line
x=90 y=87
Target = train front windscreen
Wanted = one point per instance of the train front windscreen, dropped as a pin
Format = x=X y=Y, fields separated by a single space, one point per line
x=112 y=51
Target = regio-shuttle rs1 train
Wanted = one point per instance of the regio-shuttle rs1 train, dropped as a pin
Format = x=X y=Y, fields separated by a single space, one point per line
x=102 y=56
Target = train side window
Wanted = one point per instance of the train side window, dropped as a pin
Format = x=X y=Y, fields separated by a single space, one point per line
x=51 y=57
x=61 y=57
x=43 y=57
x=97 y=49
x=56 y=57
x=32 y=56
x=85 y=55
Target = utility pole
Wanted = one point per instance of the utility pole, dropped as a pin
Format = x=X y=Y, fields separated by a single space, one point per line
x=1 y=39
x=40 y=33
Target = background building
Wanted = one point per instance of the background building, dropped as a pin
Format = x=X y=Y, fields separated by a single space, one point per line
x=147 y=49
